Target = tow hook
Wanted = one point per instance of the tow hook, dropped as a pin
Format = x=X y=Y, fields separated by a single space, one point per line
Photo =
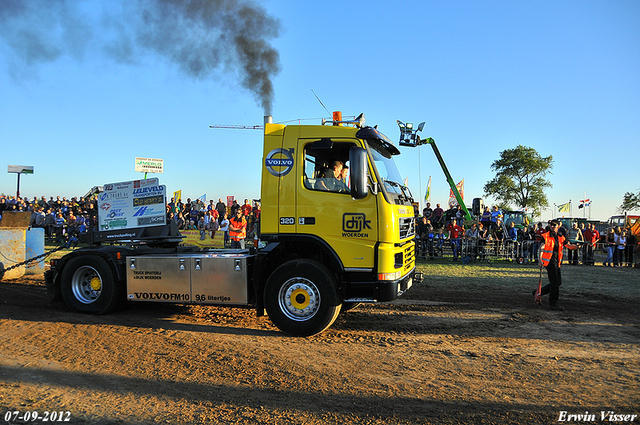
x=417 y=277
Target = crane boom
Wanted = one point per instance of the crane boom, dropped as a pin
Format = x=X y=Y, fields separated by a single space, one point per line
x=409 y=137
x=238 y=127
x=452 y=183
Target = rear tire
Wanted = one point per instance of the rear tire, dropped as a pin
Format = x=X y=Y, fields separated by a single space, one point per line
x=301 y=298
x=88 y=285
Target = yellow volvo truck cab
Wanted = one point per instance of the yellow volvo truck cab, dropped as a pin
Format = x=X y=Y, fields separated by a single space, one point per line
x=338 y=222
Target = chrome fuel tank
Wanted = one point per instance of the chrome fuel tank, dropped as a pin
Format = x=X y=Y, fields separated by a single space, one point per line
x=216 y=278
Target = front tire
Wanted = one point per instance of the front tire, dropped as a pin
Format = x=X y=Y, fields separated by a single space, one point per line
x=301 y=298
x=348 y=306
x=88 y=285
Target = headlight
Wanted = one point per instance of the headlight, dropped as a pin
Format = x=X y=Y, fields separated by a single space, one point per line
x=389 y=276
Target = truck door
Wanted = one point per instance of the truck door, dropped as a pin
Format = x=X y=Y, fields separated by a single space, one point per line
x=325 y=207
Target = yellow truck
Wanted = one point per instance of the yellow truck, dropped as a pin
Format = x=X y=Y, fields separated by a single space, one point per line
x=626 y=221
x=330 y=238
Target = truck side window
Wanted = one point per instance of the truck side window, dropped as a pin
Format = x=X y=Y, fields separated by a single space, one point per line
x=327 y=169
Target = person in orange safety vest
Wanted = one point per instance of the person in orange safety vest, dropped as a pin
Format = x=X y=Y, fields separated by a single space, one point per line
x=550 y=256
x=237 y=230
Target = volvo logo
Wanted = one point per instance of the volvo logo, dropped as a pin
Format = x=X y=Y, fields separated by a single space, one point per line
x=279 y=162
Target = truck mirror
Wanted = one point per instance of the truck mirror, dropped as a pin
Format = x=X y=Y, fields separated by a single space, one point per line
x=358 y=172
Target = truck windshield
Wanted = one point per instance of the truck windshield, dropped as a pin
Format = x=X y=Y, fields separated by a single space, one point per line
x=516 y=217
x=389 y=173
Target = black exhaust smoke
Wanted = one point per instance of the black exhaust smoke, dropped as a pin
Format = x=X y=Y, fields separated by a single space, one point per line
x=203 y=38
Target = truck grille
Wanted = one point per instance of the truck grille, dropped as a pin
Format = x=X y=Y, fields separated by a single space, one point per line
x=409 y=257
x=406 y=227
x=405 y=259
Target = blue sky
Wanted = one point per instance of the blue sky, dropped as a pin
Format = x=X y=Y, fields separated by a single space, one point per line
x=559 y=76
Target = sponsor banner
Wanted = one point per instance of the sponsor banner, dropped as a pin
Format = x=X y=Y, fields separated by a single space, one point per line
x=192 y=237
x=130 y=205
x=149 y=165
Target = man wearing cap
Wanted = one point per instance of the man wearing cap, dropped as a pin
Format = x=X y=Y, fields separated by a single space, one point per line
x=550 y=256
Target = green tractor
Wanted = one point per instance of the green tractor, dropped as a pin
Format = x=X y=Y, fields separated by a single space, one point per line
x=521 y=219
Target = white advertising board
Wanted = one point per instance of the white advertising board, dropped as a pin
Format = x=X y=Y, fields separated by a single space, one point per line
x=23 y=169
x=130 y=205
x=149 y=165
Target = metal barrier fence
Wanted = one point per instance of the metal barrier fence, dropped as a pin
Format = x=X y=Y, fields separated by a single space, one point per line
x=477 y=250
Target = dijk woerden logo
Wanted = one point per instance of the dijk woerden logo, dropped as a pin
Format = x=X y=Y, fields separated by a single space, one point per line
x=355 y=223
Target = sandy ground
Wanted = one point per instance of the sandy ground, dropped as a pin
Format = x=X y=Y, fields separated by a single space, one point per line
x=443 y=354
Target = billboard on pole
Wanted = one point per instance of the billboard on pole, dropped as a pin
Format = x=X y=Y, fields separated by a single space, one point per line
x=149 y=165
x=24 y=169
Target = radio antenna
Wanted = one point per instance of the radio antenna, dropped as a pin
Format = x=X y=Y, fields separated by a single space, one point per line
x=325 y=108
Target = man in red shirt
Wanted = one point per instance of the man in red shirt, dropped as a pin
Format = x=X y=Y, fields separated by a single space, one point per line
x=246 y=208
x=591 y=237
x=455 y=232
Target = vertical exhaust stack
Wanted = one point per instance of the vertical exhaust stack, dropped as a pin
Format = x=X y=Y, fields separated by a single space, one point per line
x=268 y=119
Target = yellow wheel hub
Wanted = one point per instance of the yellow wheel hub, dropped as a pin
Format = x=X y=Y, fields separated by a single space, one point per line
x=96 y=284
x=300 y=299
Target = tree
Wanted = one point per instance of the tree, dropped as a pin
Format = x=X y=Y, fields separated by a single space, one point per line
x=630 y=202
x=520 y=178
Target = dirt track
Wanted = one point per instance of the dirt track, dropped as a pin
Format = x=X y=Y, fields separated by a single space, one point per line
x=445 y=353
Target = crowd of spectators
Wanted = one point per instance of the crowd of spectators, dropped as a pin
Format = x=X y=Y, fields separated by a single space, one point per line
x=213 y=217
x=438 y=228
x=64 y=219
x=61 y=218
x=620 y=244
